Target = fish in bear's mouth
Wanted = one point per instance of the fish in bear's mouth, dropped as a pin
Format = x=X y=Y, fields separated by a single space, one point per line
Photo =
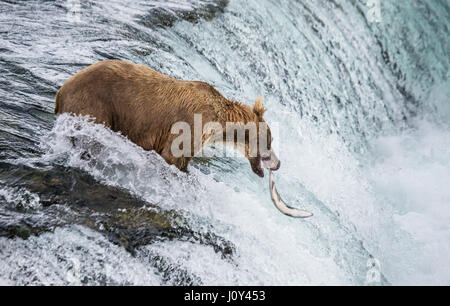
x=271 y=162
x=268 y=161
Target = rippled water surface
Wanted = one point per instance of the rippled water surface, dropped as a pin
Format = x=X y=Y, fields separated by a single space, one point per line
x=361 y=114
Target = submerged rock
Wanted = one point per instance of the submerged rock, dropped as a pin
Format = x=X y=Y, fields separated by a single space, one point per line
x=69 y=196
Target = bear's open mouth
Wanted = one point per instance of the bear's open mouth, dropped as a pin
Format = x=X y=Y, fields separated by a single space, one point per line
x=260 y=163
x=270 y=162
x=275 y=167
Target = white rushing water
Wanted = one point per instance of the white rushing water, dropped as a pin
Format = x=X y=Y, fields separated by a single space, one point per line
x=375 y=176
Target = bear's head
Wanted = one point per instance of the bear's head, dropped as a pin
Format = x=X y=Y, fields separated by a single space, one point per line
x=263 y=156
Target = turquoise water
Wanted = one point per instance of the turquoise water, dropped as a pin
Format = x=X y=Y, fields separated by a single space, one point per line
x=360 y=111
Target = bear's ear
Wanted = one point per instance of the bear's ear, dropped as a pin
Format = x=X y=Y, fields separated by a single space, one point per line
x=258 y=107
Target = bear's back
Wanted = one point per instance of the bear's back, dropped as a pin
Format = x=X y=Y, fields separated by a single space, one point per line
x=135 y=99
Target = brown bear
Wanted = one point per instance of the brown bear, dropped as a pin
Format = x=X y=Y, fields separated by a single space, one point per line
x=144 y=105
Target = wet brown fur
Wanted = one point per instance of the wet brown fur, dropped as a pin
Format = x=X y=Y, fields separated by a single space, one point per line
x=143 y=104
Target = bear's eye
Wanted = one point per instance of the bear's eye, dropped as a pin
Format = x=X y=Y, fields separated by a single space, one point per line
x=266 y=158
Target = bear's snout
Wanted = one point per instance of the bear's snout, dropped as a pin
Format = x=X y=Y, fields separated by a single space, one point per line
x=275 y=167
x=271 y=161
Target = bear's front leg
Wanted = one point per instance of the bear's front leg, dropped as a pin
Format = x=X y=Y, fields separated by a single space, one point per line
x=179 y=162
